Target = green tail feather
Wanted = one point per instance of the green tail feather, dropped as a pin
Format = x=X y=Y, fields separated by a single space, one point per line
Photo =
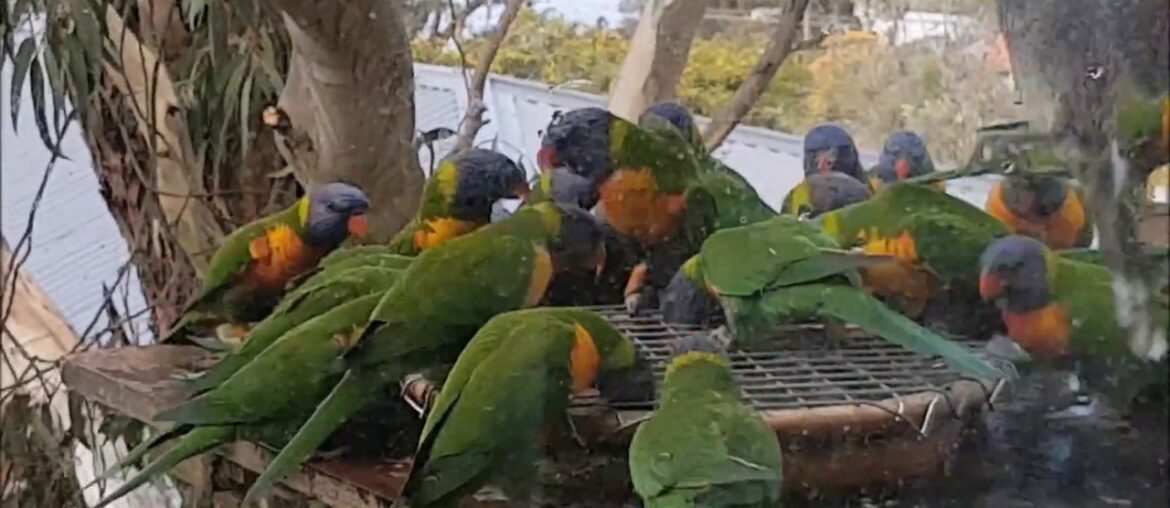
x=350 y=394
x=195 y=442
x=136 y=453
x=858 y=307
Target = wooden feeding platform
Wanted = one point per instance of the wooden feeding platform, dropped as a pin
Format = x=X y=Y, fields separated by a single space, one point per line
x=863 y=414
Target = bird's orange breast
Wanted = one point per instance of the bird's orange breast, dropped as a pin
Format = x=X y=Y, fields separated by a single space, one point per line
x=278 y=256
x=635 y=207
x=1059 y=230
x=1043 y=332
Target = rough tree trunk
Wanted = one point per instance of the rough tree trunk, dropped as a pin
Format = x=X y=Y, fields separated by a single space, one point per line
x=1071 y=59
x=351 y=90
x=657 y=56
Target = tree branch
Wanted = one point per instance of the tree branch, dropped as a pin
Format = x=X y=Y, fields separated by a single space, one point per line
x=473 y=119
x=142 y=78
x=458 y=19
x=779 y=47
x=658 y=54
x=351 y=91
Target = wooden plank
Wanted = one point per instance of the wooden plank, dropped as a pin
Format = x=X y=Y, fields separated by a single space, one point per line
x=140 y=381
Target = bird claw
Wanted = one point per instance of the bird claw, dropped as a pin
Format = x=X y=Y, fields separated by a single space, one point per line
x=186 y=377
x=634 y=304
x=722 y=336
x=574 y=434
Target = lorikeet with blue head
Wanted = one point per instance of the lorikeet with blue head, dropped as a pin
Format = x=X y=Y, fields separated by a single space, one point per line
x=934 y=238
x=511 y=382
x=823 y=192
x=904 y=155
x=1049 y=208
x=655 y=188
x=704 y=447
x=1058 y=308
x=828 y=148
x=783 y=271
x=423 y=321
x=560 y=185
x=456 y=200
x=247 y=275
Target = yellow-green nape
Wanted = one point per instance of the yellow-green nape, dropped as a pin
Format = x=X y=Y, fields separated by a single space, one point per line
x=831 y=223
x=618 y=130
x=693 y=268
x=550 y=215
x=694 y=357
x=303 y=209
x=446 y=179
x=800 y=196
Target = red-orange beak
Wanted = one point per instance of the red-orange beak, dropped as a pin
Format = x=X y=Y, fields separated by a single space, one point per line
x=547 y=158
x=358 y=225
x=902 y=168
x=990 y=285
x=824 y=164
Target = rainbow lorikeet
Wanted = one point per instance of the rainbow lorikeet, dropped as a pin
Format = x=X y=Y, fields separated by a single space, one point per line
x=248 y=274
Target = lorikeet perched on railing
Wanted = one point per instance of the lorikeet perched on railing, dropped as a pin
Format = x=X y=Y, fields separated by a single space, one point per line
x=248 y=274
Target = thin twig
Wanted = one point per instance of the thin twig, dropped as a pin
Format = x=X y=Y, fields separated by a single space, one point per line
x=473 y=118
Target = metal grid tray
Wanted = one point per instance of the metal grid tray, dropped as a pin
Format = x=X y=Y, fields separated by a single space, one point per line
x=803 y=373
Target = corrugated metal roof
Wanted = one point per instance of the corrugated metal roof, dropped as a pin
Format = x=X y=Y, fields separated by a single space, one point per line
x=77 y=245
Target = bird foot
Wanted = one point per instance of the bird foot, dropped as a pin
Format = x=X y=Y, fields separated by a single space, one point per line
x=231 y=334
x=634 y=304
x=186 y=377
x=722 y=337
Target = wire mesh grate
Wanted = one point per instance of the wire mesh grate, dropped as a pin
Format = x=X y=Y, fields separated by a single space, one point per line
x=801 y=371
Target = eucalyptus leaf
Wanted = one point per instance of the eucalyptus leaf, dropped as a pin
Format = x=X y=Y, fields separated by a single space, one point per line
x=78 y=74
x=56 y=74
x=24 y=59
x=36 y=84
x=86 y=28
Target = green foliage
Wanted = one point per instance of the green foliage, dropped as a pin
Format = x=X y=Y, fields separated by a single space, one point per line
x=233 y=65
x=854 y=78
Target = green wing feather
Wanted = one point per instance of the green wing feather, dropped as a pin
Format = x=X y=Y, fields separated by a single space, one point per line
x=466 y=281
x=193 y=443
x=317 y=296
x=492 y=404
x=855 y=306
x=949 y=233
x=299 y=363
x=704 y=447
